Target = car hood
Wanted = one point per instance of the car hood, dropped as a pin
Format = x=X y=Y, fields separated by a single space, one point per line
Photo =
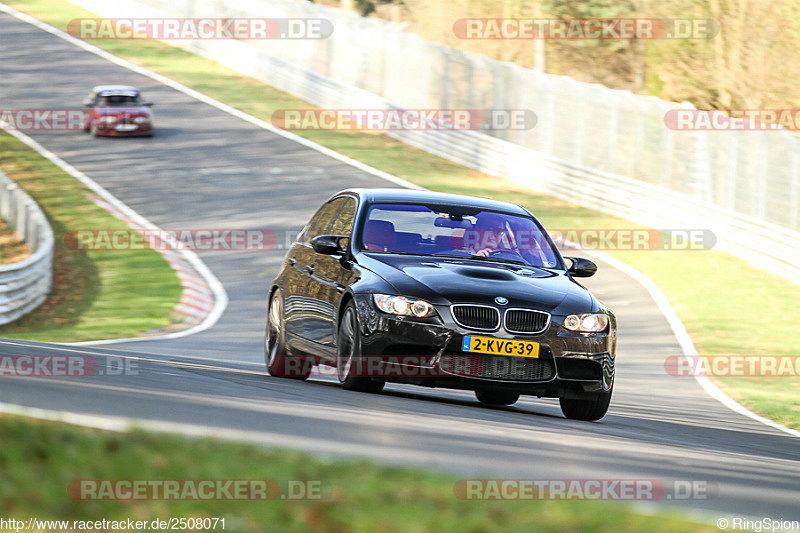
x=120 y=110
x=448 y=281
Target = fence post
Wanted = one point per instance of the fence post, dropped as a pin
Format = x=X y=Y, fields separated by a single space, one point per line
x=32 y=235
x=550 y=106
x=612 y=138
x=578 y=156
x=22 y=221
x=761 y=187
x=636 y=161
x=499 y=87
x=669 y=155
x=5 y=195
x=445 y=78
x=698 y=171
x=733 y=164
x=471 y=84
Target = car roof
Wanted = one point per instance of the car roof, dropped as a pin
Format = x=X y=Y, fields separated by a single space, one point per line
x=114 y=89
x=421 y=196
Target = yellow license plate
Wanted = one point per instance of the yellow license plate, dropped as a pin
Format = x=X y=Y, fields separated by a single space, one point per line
x=474 y=343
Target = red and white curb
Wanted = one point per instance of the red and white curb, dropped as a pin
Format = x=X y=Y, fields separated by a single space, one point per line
x=197 y=299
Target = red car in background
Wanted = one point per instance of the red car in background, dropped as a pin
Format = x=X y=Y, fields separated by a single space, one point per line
x=119 y=111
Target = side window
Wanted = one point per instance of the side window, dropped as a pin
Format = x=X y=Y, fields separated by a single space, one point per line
x=310 y=224
x=323 y=219
x=343 y=224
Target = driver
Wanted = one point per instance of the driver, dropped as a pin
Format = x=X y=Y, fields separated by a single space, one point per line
x=493 y=236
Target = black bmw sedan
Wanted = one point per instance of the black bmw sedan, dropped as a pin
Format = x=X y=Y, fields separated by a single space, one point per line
x=440 y=290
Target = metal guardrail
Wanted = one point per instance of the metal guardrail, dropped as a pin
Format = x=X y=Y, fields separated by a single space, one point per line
x=602 y=148
x=24 y=285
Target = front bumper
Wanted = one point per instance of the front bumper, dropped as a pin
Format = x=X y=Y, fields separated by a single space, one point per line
x=110 y=130
x=429 y=352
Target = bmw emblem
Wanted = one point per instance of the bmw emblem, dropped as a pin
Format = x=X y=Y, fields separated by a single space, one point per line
x=500 y=300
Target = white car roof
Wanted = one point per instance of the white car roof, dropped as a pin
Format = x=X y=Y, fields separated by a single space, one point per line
x=115 y=89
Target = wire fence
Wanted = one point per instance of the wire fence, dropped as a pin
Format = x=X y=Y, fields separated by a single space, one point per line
x=604 y=148
x=749 y=172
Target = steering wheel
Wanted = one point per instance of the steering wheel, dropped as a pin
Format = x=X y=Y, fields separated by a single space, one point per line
x=505 y=254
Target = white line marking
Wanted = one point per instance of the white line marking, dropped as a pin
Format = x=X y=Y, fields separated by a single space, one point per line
x=685 y=341
x=186 y=359
x=206 y=99
x=220 y=296
x=188 y=276
x=107 y=423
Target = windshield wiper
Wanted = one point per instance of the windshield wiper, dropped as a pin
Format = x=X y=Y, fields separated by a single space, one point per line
x=454 y=256
x=482 y=258
x=396 y=253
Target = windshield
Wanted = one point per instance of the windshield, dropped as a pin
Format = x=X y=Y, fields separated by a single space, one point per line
x=457 y=231
x=119 y=100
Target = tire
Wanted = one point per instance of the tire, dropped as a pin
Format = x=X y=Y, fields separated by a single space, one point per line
x=348 y=348
x=279 y=364
x=589 y=409
x=496 y=397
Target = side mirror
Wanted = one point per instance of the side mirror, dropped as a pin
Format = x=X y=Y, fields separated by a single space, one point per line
x=148 y=104
x=329 y=244
x=87 y=103
x=582 y=268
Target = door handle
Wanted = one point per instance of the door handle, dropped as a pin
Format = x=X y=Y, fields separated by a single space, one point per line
x=291 y=261
x=310 y=269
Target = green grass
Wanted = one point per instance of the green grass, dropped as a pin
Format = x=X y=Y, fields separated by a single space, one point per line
x=96 y=294
x=775 y=398
x=726 y=304
x=40 y=459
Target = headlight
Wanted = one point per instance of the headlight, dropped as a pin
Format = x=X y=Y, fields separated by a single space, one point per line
x=108 y=118
x=141 y=120
x=400 y=305
x=586 y=323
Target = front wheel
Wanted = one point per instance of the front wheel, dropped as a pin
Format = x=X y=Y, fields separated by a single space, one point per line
x=589 y=409
x=348 y=346
x=279 y=364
